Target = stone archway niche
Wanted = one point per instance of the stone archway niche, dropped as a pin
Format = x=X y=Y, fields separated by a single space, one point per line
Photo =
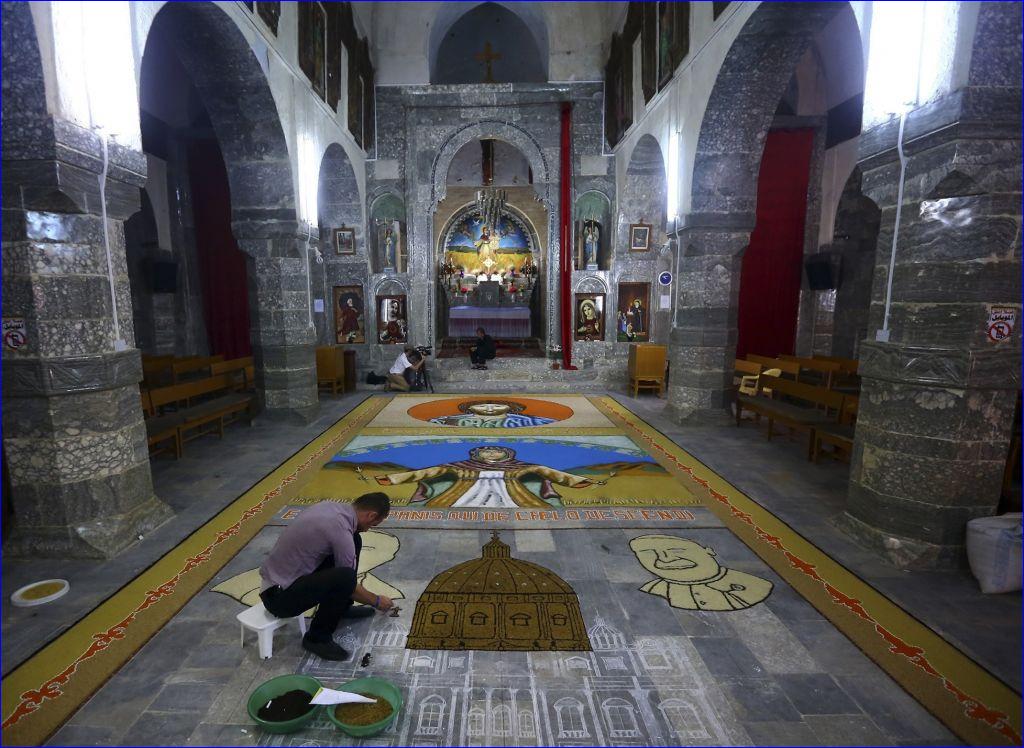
x=235 y=92
x=752 y=80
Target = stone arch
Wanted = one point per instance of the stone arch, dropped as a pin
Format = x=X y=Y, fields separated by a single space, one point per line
x=591 y=284
x=753 y=78
x=494 y=130
x=645 y=194
x=24 y=99
x=748 y=87
x=339 y=204
x=855 y=239
x=530 y=14
x=237 y=96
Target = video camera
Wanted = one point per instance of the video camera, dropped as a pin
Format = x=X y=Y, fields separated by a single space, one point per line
x=425 y=350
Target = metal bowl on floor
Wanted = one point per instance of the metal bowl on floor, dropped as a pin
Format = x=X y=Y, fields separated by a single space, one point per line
x=370 y=686
x=279 y=686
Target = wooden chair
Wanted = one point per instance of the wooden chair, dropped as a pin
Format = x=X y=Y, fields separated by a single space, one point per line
x=647 y=367
x=839 y=435
x=747 y=372
x=330 y=368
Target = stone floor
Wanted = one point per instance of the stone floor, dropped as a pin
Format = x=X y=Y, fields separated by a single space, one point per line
x=777 y=673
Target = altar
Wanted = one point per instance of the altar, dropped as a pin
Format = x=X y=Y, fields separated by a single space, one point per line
x=499 y=322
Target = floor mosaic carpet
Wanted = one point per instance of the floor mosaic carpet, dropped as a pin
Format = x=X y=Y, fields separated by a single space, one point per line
x=531 y=495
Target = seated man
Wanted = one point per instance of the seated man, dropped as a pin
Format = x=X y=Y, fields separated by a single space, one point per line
x=483 y=351
x=403 y=372
x=314 y=563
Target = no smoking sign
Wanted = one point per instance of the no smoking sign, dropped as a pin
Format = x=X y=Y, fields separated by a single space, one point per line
x=1001 y=320
x=14 y=333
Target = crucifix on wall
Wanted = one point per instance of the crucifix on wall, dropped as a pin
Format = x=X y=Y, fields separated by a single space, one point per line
x=487 y=57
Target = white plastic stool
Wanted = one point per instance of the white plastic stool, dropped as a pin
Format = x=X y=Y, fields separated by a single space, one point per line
x=259 y=620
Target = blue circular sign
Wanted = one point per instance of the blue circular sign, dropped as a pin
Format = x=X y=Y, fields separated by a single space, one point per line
x=665 y=278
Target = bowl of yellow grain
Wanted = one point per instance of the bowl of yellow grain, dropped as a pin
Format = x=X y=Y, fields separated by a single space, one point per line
x=360 y=719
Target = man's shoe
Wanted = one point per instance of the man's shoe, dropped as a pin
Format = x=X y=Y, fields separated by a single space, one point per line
x=325 y=650
x=363 y=611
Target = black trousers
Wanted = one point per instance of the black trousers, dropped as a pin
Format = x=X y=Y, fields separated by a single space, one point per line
x=329 y=588
x=477 y=358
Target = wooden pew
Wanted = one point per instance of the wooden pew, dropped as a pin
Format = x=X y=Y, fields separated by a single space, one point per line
x=202 y=406
x=847 y=365
x=240 y=370
x=804 y=408
x=826 y=371
x=839 y=435
x=161 y=428
x=193 y=368
x=790 y=368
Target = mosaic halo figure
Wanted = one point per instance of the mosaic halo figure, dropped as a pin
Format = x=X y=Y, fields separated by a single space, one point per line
x=491 y=477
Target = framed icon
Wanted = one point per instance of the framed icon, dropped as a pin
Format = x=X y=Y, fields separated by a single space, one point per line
x=392 y=326
x=632 y=318
x=349 y=325
x=639 y=237
x=589 y=322
x=345 y=241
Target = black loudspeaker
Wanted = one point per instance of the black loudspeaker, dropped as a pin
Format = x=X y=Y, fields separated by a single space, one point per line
x=164 y=276
x=823 y=270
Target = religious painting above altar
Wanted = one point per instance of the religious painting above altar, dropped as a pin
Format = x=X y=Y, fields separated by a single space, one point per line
x=474 y=248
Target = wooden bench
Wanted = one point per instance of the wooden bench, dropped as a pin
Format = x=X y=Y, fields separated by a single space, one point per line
x=203 y=406
x=161 y=428
x=789 y=368
x=193 y=368
x=825 y=371
x=240 y=370
x=846 y=365
x=839 y=435
x=804 y=408
x=330 y=368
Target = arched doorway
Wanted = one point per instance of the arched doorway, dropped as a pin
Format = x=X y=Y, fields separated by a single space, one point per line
x=344 y=257
x=243 y=121
x=641 y=248
x=741 y=110
x=490 y=276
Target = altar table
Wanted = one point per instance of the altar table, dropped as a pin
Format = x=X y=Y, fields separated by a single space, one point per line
x=499 y=322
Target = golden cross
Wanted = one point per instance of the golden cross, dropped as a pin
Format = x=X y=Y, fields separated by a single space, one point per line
x=487 y=57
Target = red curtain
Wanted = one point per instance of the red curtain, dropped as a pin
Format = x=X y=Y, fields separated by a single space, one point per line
x=222 y=265
x=773 y=263
x=565 y=234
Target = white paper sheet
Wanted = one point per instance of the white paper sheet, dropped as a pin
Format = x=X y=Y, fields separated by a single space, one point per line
x=330 y=696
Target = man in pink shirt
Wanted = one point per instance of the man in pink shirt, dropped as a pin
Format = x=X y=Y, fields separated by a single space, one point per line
x=314 y=563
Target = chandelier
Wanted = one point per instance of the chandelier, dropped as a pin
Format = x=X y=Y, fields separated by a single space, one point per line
x=491 y=205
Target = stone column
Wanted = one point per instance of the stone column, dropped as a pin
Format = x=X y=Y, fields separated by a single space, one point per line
x=72 y=418
x=283 y=340
x=702 y=345
x=937 y=403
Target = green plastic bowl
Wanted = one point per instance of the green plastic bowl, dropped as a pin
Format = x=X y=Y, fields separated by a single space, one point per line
x=375 y=687
x=278 y=686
